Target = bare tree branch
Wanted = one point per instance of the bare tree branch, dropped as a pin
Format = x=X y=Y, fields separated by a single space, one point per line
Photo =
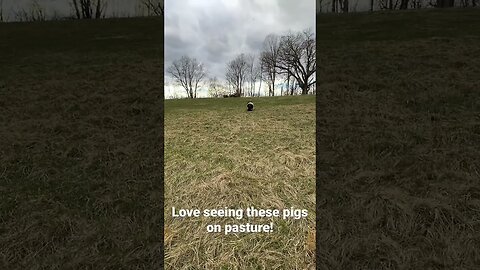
x=154 y=7
x=269 y=59
x=89 y=9
x=35 y=12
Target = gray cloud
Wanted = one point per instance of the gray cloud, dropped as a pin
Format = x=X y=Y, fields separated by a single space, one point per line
x=215 y=31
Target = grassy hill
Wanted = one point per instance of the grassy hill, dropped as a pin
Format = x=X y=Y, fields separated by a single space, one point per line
x=398 y=137
x=81 y=144
x=398 y=128
x=218 y=155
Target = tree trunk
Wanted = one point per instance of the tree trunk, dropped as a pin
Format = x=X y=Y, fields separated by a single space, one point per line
x=98 y=9
x=304 y=87
x=288 y=83
x=260 y=86
x=77 y=9
x=345 y=6
x=273 y=86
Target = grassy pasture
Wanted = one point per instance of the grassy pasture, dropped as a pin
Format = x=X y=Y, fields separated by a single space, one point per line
x=398 y=141
x=398 y=128
x=81 y=144
x=217 y=155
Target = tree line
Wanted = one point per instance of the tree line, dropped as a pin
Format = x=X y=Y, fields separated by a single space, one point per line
x=345 y=6
x=289 y=58
x=79 y=9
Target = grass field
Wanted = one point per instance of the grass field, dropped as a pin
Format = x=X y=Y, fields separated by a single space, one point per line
x=398 y=143
x=81 y=144
x=398 y=115
x=217 y=155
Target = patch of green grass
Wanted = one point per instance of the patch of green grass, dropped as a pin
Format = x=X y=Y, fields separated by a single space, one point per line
x=80 y=144
x=398 y=135
x=218 y=155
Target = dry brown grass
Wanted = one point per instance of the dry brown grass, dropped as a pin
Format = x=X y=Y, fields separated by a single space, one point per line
x=398 y=135
x=226 y=157
x=80 y=145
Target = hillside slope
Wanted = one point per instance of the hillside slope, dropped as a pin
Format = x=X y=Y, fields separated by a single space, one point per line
x=81 y=144
x=398 y=130
x=219 y=155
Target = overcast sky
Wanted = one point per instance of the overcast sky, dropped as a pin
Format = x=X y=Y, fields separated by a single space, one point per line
x=215 y=31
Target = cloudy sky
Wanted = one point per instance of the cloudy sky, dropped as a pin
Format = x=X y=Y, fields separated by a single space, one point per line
x=215 y=31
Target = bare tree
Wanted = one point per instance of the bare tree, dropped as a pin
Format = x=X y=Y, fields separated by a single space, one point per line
x=250 y=64
x=254 y=73
x=21 y=15
x=236 y=74
x=297 y=58
x=189 y=73
x=259 y=70
x=269 y=59
x=1 y=11
x=293 y=88
x=444 y=3
x=416 y=4
x=289 y=80
x=215 y=88
x=467 y=3
x=344 y=5
x=154 y=7
x=340 y=6
x=389 y=4
x=404 y=4
x=35 y=12
x=89 y=9
x=355 y=5
x=319 y=4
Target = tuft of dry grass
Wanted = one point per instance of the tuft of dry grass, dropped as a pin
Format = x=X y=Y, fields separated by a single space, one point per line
x=217 y=155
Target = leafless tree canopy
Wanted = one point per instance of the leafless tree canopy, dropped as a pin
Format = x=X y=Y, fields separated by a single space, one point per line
x=215 y=88
x=269 y=59
x=236 y=74
x=155 y=7
x=343 y=6
x=253 y=73
x=89 y=9
x=189 y=73
x=35 y=12
x=297 y=58
x=291 y=56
